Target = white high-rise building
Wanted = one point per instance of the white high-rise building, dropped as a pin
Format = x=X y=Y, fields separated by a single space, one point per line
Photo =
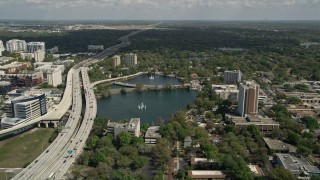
x=39 y=55
x=131 y=59
x=54 y=77
x=116 y=61
x=16 y=45
x=1 y=47
x=36 y=46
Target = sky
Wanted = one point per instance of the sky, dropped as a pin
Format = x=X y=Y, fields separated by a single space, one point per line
x=160 y=9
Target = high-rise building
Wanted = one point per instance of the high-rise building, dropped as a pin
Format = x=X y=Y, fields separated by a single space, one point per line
x=39 y=56
x=116 y=61
x=36 y=46
x=16 y=45
x=1 y=47
x=54 y=77
x=248 y=98
x=131 y=59
x=232 y=77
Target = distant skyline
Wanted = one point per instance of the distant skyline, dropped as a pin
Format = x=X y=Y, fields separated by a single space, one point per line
x=160 y=9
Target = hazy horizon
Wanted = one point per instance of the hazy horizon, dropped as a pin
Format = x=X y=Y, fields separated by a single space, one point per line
x=157 y=10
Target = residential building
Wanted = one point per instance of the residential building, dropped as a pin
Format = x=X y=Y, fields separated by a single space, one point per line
x=25 y=79
x=131 y=60
x=300 y=167
x=226 y=92
x=16 y=45
x=248 y=98
x=187 y=142
x=133 y=127
x=264 y=124
x=4 y=60
x=36 y=46
x=95 y=47
x=1 y=47
x=116 y=61
x=152 y=135
x=54 y=77
x=14 y=67
x=23 y=109
x=27 y=56
x=232 y=77
x=39 y=55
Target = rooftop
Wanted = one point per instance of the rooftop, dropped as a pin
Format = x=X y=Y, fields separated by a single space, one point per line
x=276 y=144
x=202 y=174
x=153 y=132
x=297 y=164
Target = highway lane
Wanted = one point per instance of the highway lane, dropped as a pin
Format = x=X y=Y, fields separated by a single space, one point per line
x=54 y=163
x=49 y=155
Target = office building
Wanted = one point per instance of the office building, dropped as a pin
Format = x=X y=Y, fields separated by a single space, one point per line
x=16 y=45
x=1 y=47
x=23 y=109
x=35 y=46
x=130 y=60
x=226 y=92
x=248 y=98
x=116 y=61
x=263 y=124
x=232 y=77
x=133 y=127
x=54 y=77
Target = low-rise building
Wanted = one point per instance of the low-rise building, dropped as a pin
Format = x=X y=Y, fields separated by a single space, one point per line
x=152 y=135
x=297 y=166
x=14 y=67
x=276 y=145
x=4 y=60
x=133 y=127
x=226 y=92
x=26 y=79
x=206 y=174
x=187 y=142
x=264 y=124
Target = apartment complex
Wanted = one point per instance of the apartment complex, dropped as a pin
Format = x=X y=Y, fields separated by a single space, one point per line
x=152 y=135
x=131 y=60
x=229 y=92
x=35 y=46
x=133 y=127
x=1 y=47
x=16 y=45
x=232 y=77
x=116 y=61
x=248 y=98
x=54 y=77
x=263 y=124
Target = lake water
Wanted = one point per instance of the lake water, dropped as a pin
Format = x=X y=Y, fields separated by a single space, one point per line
x=156 y=104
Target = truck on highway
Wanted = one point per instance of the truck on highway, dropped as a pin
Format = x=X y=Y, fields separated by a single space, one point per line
x=50 y=176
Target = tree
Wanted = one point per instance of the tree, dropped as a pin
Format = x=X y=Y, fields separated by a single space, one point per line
x=98 y=157
x=139 y=161
x=124 y=138
x=301 y=149
x=294 y=100
x=122 y=175
x=124 y=162
x=93 y=142
x=310 y=122
x=236 y=167
x=280 y=173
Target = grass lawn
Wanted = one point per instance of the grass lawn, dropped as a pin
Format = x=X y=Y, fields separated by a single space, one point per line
x=24 y=148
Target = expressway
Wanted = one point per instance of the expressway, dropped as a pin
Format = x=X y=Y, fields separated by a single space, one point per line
x=54 y=162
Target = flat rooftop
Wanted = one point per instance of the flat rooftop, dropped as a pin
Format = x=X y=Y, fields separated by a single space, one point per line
x=255 y=120
x=297 y=164
x=203 y=174
x=276 y=144
x=153 y=132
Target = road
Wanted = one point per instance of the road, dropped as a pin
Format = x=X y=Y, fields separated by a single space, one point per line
x=54 y=162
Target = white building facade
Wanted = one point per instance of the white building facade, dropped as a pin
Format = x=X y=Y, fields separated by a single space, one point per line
x=16 y=45
x=36 y=46
x=54 y=77
x=131 y=59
